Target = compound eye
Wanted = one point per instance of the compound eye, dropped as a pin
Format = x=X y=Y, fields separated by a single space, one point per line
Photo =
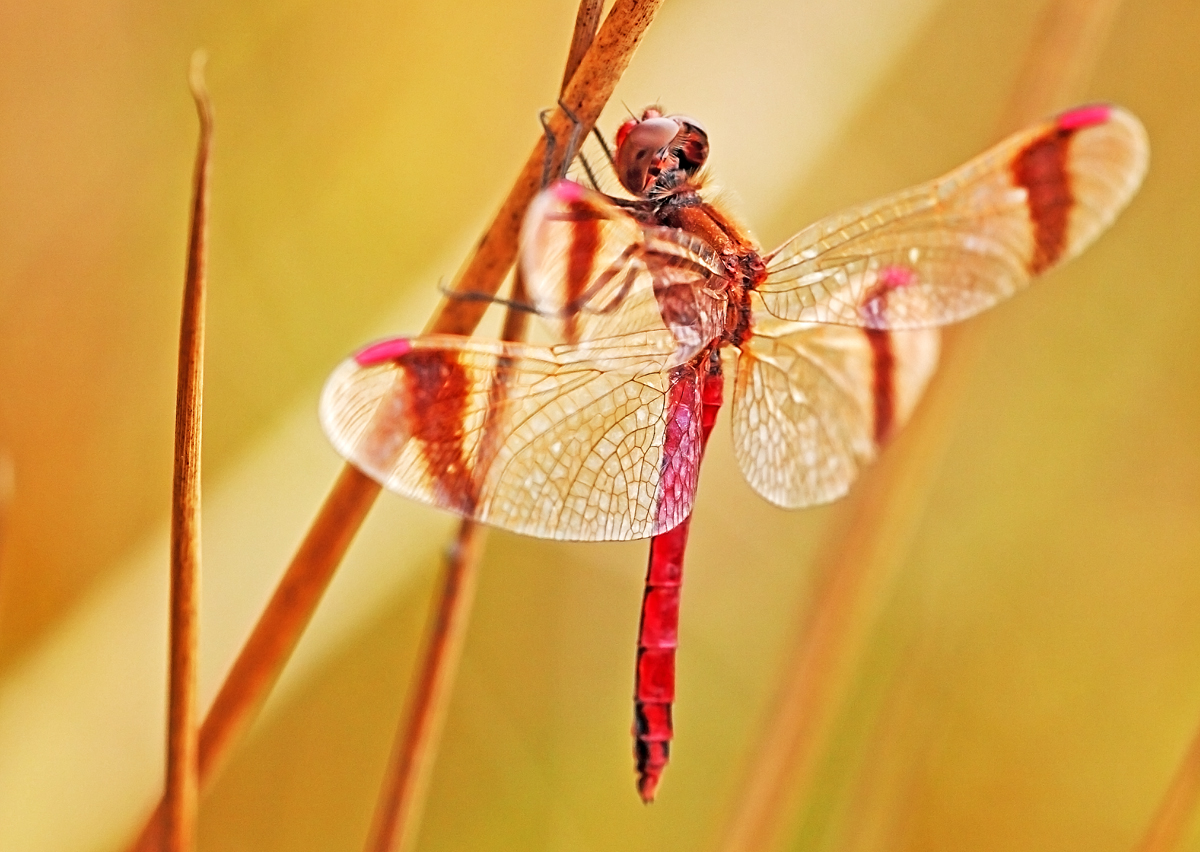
x=639 y=148
x=691 y=143
x=623 y=131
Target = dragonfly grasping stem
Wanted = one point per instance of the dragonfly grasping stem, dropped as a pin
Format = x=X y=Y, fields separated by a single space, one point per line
x=589 y=90
x=401 y=797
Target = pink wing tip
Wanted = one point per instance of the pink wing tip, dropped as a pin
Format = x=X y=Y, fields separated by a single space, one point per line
x=1086 y=116
x=566 y=190
x=386 y=350
x=895 y=277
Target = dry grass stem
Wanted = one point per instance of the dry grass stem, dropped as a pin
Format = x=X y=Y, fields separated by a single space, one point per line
x=181 y=771
x=286 y=615
x=278 y=630
x=587 y=21
x=878 y=521
x=402 y=796
x=871 y=532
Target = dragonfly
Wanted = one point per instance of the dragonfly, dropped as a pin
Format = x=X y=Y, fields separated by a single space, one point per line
x=830 y=339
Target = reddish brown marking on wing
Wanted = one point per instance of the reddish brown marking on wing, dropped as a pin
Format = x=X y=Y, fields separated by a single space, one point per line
x=1041 y=169
x=658 y=632
x=585 y=240
x=436 y=387
x=883 y=385
x=883 y=357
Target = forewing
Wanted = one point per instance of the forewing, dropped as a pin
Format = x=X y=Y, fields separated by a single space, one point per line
x=947 y=249
x=541 y=441
x=813 y=403
x=605 y=277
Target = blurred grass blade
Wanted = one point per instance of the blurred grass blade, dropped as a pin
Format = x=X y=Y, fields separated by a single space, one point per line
x=181 y=771
x=8 y=484
x=1178 y=805
x=1063 y=52
x=880 y=518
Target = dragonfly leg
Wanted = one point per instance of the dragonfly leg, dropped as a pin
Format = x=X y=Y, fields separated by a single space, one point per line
x=552 y=143
x=608 y=155
x=490 y=298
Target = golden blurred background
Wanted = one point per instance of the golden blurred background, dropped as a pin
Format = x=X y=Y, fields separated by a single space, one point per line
x=1026 y=675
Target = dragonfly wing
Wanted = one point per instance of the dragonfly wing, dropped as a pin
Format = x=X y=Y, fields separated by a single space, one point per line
x=541 y=441
x=947 y=249
x=813 y=403
x=590 y=264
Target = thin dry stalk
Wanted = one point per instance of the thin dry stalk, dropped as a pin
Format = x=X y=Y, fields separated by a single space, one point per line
x=880 y=519
x=401 y=800
x=277 y=632
x=283 y=620
x=299 y=591
x=181 y=772
x=1178 y=805
x=587 y=21
x=402 y=796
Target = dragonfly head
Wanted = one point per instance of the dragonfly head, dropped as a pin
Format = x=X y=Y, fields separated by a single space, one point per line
x=658 y=153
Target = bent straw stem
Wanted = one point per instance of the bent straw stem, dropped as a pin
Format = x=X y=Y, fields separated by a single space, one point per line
x=402 y=795
x=277 y=631
x=181 y=770
x=401 y=798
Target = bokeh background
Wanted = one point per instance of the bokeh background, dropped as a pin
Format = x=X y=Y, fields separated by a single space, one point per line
x=1023 y=674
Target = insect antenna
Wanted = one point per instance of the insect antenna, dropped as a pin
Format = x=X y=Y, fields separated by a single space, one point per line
x=583 y=161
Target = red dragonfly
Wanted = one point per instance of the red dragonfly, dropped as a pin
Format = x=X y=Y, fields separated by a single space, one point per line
x=599 y=436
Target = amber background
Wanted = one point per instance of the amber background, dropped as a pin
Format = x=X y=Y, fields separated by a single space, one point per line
x=1025 y=677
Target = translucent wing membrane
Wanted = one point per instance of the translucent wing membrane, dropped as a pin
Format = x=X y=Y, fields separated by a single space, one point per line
x=813 y=403
x=591 y=265
x=947 y=249
x=598 y=438
x=548 y=442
